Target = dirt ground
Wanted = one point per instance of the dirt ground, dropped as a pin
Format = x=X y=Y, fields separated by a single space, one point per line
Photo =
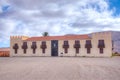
x=59 y=68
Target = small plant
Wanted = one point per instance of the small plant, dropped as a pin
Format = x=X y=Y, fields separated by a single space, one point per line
x=45 y=34
x=115 y=54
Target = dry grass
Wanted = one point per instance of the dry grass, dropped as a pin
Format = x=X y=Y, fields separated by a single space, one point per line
x=59 y=68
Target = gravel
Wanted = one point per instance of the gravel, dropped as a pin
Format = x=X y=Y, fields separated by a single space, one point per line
x=59 y=68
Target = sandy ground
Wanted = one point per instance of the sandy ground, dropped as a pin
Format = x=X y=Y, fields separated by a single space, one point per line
x=59 y=68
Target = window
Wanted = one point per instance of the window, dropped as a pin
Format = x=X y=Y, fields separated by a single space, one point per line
x=101 y=50
x=88 y=46
x=77 y=45
x=77 y=42
x=33 y=46
x=77 y=50
x=65 y=42
x=15 y=47
x=43 y=46
x=24 y=43
x=43 y=43
x=66 y=46
x=24 y=47
x=34 y=43
x=88 y=50
x=101 y=46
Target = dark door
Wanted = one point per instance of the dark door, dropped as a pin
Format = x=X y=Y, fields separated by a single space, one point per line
x=54 y=48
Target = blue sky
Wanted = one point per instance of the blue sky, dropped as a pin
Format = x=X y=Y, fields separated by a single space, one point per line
x=58 y=17
x=115 y=4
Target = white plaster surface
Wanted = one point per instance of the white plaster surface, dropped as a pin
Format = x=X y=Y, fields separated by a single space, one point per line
x=59 y=68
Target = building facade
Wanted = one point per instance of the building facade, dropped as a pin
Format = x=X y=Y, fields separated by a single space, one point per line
x=93 y=45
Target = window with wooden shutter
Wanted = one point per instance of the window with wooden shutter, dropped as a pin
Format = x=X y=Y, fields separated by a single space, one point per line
x=34 y=46
x=101 y=46
x=66 y=46
x=24 y=47
x=77 y=45
x=43 y=46
x=15 y=47
x=88 y=46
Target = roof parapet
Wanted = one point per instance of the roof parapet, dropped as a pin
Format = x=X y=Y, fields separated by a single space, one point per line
x=19 y=37
x=101 y=34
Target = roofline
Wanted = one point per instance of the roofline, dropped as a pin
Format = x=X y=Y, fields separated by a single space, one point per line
x=67 y=37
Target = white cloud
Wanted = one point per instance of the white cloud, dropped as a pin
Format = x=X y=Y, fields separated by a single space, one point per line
x=1 y=10
x=58 y=17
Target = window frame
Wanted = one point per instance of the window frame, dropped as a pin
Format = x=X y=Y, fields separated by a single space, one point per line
x=43 y=46
x=15 y=47
x=34 y=49
x=24 y=49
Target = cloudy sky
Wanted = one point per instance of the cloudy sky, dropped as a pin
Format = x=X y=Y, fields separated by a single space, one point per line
x=58 y=17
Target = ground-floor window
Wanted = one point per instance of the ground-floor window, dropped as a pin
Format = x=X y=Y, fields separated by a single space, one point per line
x=66 y=50
x=15 y=47
x=101 y=46
x=24 y=47
x=77 y=50
x=43 y=51
x=101 y=50
x=43 y=46
x=66 y=46
x=34 y=46
x=88 y=46
x=77 y=46
x=88 y=50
